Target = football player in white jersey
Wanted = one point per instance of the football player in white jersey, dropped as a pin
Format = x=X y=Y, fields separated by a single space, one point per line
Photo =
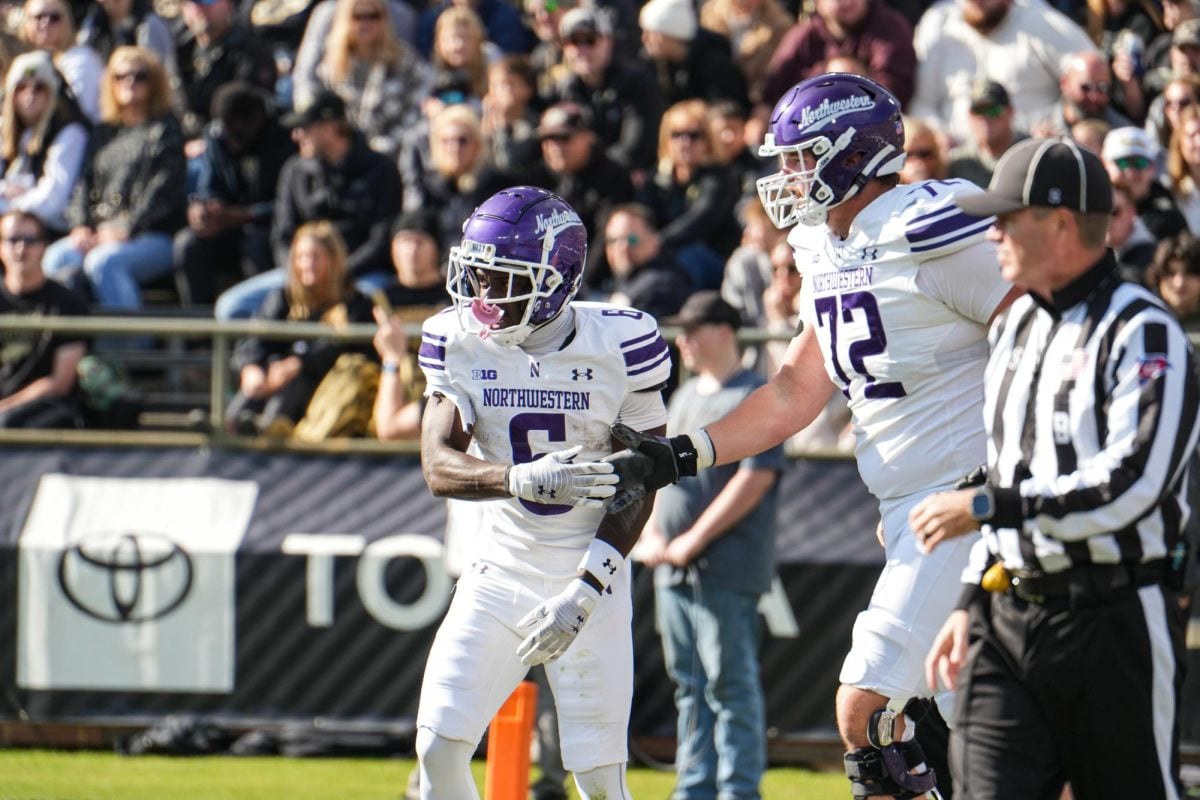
x=899 y=289
x=523 y=385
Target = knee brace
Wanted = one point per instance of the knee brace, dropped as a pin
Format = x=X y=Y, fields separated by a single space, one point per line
x=888 y=771
x=607 y=782
x=445 y=767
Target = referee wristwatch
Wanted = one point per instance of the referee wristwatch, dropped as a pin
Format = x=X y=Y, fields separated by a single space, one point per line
x=983 y=504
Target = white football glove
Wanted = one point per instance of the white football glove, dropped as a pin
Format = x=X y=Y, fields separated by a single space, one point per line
x=555 y=623
x=554 y=479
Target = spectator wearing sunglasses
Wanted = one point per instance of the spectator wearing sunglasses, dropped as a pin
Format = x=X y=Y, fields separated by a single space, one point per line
x=646 y=275
x=48 y=25
x=693 y=196
x=991 y=125
x=924 y=150
x=1131 y=156
x=1087 y=93
x=380 y=77
x=621 y=95
x=43 y=136
x=690 y=62
x=130 y=197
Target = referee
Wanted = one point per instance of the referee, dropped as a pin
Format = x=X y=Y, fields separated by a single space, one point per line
x=1067 y=646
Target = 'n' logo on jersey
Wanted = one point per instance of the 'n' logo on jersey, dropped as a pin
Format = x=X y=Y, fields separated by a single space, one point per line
x=581 y=374
x=1151 y=367
x=535 y=369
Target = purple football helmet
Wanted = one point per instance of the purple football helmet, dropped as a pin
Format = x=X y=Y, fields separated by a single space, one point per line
x=850 y=126
x=533 y=246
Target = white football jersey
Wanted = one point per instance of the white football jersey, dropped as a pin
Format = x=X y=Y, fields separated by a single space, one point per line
x=900 y=308
x=520 y=406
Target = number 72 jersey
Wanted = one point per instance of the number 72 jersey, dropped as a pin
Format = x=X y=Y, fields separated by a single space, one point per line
x=900 y=309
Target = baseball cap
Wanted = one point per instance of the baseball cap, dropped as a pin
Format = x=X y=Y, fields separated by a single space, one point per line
x=1128 y=142
x=326 y=106
x=987 y=94
x=562 y=119
x=1048 y=173
x=584 y=21
x=706 y=308
x=1187 y=34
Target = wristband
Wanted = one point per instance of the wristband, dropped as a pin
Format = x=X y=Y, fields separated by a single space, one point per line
x=601 y=561
x=390 y=367
x=706 y=453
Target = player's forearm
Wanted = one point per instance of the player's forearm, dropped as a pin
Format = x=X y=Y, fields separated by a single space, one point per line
x=739 y=497
x=622 y=529
x=767 y=417
x=451 y=473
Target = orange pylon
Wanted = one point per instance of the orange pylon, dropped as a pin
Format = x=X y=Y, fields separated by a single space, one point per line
x=509 y=738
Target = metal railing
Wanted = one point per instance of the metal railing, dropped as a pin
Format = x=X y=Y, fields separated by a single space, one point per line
x=223 y=336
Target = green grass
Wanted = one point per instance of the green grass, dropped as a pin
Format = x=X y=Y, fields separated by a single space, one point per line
x=57 y=775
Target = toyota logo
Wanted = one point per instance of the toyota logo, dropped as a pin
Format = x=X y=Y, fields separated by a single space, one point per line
x=125 y=577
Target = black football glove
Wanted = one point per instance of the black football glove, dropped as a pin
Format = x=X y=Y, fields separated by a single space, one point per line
x=633 y=469
x=669 y=459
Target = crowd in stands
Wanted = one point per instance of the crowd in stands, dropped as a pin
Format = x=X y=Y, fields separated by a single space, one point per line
x=315 y=160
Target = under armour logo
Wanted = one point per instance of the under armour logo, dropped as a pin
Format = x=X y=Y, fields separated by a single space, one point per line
x=584 y=374
x=542 y=490
x=608 y=564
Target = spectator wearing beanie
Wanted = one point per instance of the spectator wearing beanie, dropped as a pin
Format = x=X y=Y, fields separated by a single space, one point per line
x=689 y=61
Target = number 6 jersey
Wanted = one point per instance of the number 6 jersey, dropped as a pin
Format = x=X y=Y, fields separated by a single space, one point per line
x=900 y=308
x=519 y=406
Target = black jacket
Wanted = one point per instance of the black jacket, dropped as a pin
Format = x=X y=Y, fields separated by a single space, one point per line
x=626 y=109
x=360 y=196
x=702 y=210
x=133 y=175
x=240 y=56
x=659 y=287
x=248 y=179
x=707 y=72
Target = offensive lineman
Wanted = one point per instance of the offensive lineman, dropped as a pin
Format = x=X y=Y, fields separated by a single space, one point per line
x=899 y=288
x=530 y=382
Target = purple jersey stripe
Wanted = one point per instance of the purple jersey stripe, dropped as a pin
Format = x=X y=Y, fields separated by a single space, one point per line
x=647 y=367
x=649 y=335
x=434 y=352
x=643 y=354
x=436 y=366
x=962 y=233
x=941 y=227
x=433 y=337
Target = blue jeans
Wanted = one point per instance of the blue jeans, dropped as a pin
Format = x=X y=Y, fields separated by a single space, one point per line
x=115 y=270
x=710 y=643
x=241 y=300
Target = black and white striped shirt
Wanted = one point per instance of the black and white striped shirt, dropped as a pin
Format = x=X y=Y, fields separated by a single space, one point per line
x=1091 y=411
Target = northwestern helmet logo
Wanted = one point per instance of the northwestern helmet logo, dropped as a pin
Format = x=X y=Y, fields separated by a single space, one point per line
x=830 y=108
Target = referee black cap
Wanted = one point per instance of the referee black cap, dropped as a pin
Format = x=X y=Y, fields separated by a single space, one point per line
x=1047 y=173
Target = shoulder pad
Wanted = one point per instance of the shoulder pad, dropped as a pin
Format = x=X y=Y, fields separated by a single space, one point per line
x=933 y=224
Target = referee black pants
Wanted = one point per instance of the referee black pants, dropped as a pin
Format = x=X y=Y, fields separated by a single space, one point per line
x=1088 y=695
